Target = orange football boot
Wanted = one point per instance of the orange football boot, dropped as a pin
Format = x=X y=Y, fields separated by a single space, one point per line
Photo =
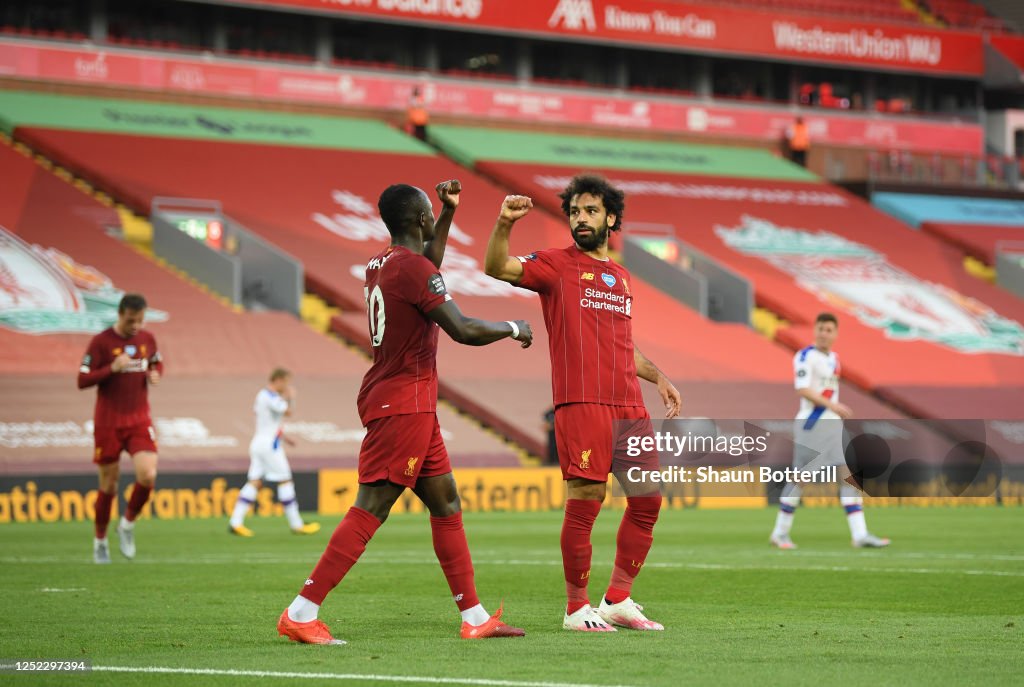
x=313 y=632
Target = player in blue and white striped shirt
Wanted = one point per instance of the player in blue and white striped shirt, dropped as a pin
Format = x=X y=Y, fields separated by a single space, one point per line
x=818 y=434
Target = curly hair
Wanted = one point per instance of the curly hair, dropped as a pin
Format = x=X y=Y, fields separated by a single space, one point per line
x=596 y=185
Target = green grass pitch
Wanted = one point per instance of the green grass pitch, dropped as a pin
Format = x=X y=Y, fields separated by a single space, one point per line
x=943 y=605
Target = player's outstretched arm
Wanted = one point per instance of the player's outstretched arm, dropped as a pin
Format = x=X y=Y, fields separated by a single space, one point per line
x=645 y=369
x=473 y=332
x=448 y=192
x=497 y=263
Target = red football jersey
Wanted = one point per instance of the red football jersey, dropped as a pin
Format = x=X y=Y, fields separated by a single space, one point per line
x=588 y=311
x=401 y=288
x=121 y=398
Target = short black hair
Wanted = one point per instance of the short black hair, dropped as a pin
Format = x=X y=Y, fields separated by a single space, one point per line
x=278 y=373
x=596 y=185
x=827 y=317
x=399 y=205
x=131 y=301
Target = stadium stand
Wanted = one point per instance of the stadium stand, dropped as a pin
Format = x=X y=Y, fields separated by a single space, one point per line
x=975 y=240
x=955 y=14
x=902 y=284
x=881 y=10
x=962 y=14
x=1009 y=10
x=319 y=205
x=217 y=358
x=974 y=225
x=916 y=209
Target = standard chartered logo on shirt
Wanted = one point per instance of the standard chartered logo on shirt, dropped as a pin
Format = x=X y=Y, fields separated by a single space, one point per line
x=606 y=300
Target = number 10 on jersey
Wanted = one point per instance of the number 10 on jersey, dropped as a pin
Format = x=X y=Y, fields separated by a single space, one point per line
x=375 y=312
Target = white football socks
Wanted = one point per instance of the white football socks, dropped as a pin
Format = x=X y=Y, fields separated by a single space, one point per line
x=783 y=524
x=246 y=498
x=291 y=511
x=302 y=610
x=286 y=496
x=784 y=520
x=858 y=526
x=476 y=615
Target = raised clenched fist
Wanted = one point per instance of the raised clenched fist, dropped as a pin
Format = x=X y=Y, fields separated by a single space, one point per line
x=448 y=192
x=515 y=207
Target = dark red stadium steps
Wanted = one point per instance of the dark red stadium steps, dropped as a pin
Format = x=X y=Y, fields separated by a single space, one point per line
x=217 y=358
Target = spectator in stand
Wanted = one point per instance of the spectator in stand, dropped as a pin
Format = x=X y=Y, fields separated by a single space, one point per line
x=808 y=94
x=417 y=116
x=799 y=141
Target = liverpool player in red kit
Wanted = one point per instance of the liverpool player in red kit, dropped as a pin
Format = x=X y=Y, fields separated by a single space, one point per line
x=123 y=362
x=406 y=300
x=588 y=310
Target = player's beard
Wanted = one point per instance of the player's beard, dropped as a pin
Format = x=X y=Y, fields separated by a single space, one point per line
x=592 y=241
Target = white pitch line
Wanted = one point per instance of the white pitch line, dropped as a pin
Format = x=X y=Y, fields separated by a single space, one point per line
x=482 y=682
x=57 y=590
x=551 y=563
x=937 y=555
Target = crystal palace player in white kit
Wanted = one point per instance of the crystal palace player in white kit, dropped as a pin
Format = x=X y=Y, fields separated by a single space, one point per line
x=273 y=403
x=818 y=434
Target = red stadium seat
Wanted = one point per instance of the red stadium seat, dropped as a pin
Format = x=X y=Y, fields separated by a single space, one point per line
x=955 y=13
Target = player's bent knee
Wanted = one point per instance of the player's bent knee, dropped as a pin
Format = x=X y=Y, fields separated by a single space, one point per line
x=381 y=511
x=108 y=478
x=378 y=498
x=790 y=502
x=649 y=502
x=587 y=490
x=446 y=509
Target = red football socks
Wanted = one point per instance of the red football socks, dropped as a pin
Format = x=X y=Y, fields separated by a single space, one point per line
x=103 y=503
x=580 y=515
x=453 y=555
x=633 y=542
x=343 y=550
x=139 y=497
